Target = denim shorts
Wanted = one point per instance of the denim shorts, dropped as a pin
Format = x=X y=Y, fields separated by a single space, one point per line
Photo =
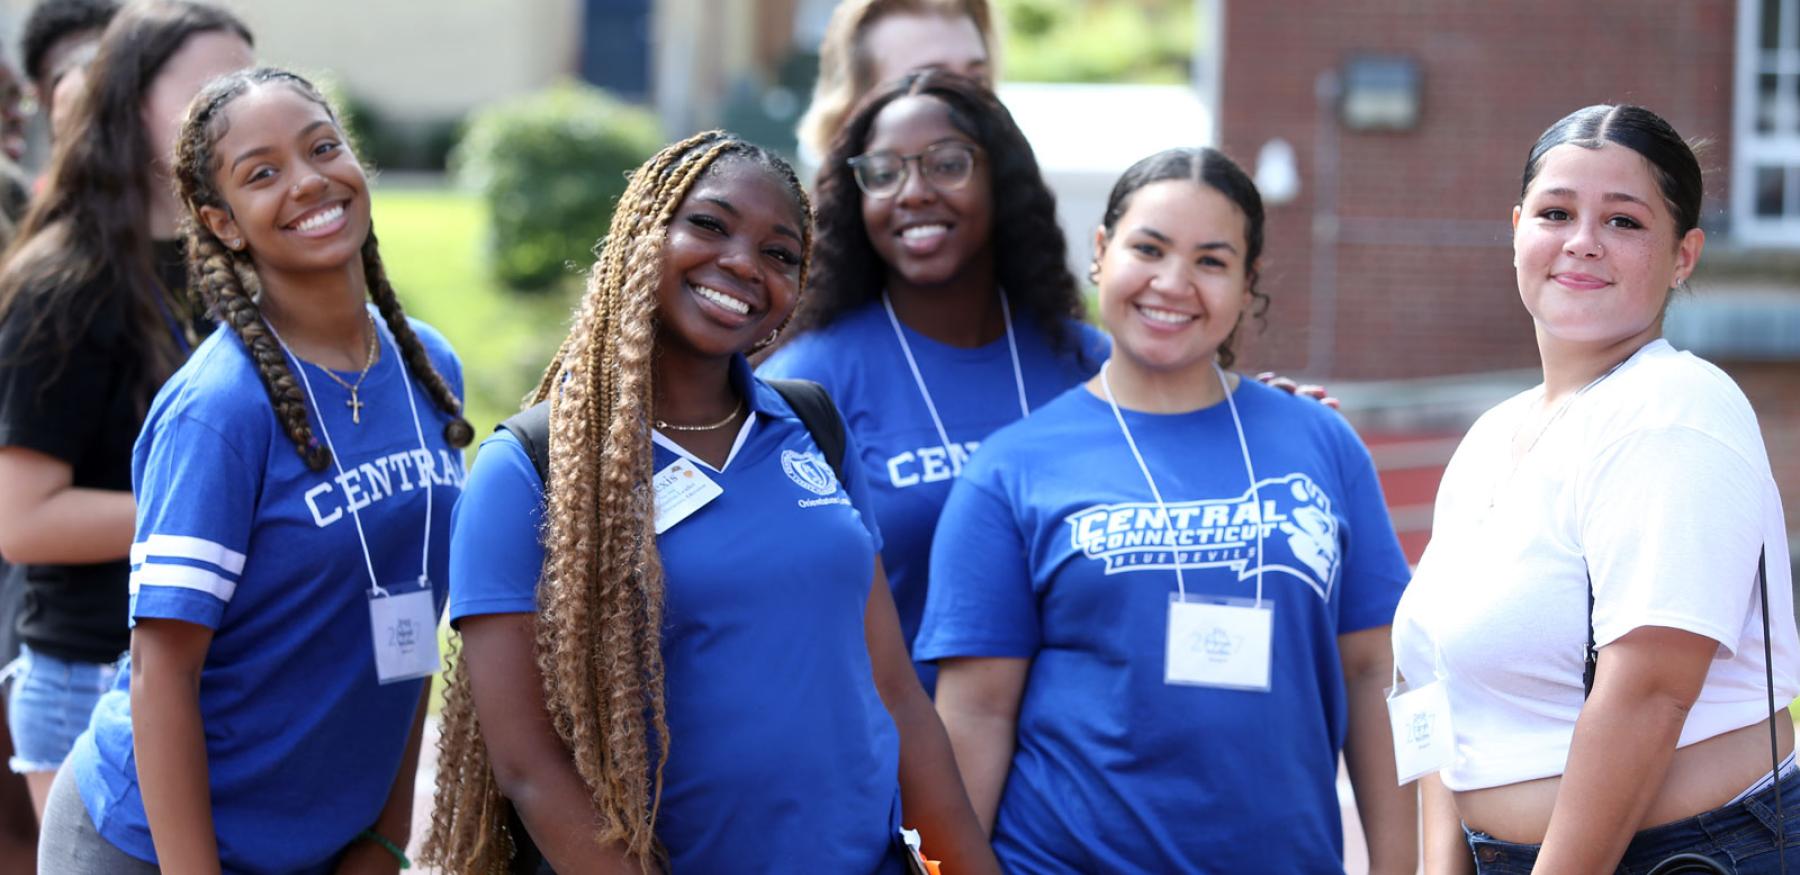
x=48 y=705
x=1739 y=837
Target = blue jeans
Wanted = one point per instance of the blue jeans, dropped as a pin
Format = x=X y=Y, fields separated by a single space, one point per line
x=49 y=705
x=1739 y=837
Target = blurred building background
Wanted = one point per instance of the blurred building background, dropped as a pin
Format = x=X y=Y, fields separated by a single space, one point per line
x=1408 y=124
x=1388 y=137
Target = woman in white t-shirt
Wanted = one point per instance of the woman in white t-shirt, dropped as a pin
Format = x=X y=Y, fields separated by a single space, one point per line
x=1636 y=473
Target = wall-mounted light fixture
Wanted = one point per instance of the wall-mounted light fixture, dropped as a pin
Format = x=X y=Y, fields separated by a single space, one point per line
x=1380 y=93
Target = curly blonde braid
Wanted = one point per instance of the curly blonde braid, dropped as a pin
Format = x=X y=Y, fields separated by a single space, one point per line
x=598 y=641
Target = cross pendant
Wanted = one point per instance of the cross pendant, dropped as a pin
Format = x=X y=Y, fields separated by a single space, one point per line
x=355 y=408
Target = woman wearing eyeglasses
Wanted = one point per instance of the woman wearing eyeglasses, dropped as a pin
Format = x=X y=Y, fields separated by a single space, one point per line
x=937 y=312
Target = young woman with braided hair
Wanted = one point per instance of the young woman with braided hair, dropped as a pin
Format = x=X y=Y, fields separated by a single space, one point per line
x=294 y=483
x=681 y=650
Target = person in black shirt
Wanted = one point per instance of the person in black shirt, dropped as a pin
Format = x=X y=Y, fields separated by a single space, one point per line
x=94 y=316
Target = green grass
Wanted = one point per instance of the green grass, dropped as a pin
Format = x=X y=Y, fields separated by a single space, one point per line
x=433 y=242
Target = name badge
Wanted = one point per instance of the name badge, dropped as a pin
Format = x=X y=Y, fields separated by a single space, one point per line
x=1420 y=719
x=404 y=623
x=1215 y=642
x=681 y=489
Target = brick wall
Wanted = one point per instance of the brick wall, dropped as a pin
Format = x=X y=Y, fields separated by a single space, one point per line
x=1424 y=283
x=1774 y=391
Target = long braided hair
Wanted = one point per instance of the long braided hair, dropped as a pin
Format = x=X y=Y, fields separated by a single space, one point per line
x=600 y=597
x=228 y=282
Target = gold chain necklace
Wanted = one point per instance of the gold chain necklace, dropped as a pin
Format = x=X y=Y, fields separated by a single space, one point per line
x=735 y=410
x=354 y=403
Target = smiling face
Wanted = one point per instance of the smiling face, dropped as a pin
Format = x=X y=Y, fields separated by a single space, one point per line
x=928 y=236
x=904 y=42
x=734 y=252
x=1172 y=276
x=295 y=196
x=202 y=57
x=1596 y=249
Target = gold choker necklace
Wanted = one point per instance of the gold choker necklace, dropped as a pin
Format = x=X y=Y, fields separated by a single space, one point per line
x=735 y=410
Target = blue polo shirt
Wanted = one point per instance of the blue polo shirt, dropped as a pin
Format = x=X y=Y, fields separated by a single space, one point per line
x=859 y=361
x=235 y=533
x=781 y=752
x=1051 y=549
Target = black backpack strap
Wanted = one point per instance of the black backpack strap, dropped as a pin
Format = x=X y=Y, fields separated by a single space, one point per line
x=532 y=427
x=819 y=415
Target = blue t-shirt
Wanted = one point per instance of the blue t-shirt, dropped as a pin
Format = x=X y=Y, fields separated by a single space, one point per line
x=1050 y=549
x=235 y=533
x=781 y=751
x=859 y=361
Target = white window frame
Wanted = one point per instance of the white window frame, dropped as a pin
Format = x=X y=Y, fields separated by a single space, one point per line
x=1751 y=149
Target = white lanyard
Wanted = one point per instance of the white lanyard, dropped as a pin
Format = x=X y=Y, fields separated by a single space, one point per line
x=1255 y=496
x=337 y=462
x=906 y=348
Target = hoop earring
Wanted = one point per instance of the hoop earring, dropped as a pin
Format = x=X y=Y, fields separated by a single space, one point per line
x=766 y=342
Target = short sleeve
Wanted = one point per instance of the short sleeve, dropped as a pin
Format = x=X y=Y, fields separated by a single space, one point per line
x=981 y=602
x=54 y=407
x=196 y=495
x=442 y=355
x=1375 y=572
x=857 y=487
x=496 y=555
x=1671 y=523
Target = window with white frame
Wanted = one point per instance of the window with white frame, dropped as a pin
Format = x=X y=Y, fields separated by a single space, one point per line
x=1765 y=179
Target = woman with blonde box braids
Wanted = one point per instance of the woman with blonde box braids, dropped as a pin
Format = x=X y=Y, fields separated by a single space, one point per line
x=681 y=652
x=294 y=481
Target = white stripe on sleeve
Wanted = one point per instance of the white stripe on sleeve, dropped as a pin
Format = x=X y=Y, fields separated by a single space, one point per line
x=183 y=577
x=185 y=547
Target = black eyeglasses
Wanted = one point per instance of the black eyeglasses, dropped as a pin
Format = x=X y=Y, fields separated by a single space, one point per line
x=946 y=166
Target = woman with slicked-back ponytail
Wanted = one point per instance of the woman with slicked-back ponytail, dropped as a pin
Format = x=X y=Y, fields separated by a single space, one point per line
x=677 y=645
x=1600 y=638
x=294 y=483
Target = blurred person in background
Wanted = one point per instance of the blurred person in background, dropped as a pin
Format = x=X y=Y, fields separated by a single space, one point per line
x=94 y=315
x=18 y=826
x=69 y=89
x=14 y=93
x=873 y=42
x=57 y=34
x=61 y=36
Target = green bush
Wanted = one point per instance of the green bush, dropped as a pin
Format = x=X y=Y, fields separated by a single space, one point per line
x=550 y=167
x=1098 y=40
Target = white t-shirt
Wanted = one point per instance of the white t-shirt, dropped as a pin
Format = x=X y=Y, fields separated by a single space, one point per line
x=1656 y=481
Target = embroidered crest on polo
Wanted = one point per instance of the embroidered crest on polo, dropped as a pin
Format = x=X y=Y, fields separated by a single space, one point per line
x=810 y=471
